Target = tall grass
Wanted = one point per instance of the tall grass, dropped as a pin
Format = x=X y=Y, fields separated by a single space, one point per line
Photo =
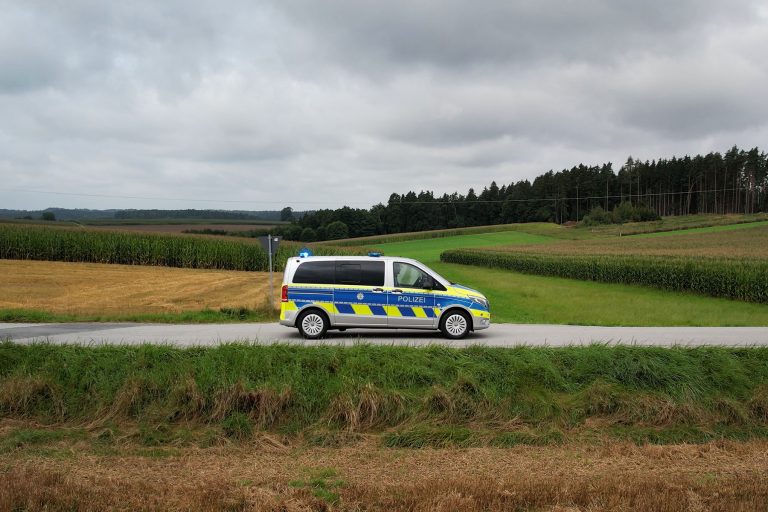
x=129 y=248
x=431 y=396
x=745 y=280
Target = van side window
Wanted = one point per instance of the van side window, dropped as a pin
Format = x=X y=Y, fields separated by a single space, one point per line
x=315 y=272
x=363 y=273
x=408 y=276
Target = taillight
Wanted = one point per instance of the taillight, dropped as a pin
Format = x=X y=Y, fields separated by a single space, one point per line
x=284 y=294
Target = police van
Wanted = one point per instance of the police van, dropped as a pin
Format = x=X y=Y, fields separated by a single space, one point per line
x=322 y=293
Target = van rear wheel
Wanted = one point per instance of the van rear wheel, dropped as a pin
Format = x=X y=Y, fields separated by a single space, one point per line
x=455 y=325
x=312 y=324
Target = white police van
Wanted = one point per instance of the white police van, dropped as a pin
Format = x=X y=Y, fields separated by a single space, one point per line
x=339 y=292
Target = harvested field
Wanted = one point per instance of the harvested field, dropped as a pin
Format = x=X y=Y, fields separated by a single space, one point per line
x=748 y=242
x=264 y=475
x=94 y=288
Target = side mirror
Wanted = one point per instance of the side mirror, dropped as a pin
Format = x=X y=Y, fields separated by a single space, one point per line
x=429 y=283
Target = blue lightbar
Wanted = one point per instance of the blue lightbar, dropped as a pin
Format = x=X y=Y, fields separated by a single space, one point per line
x=374 y=254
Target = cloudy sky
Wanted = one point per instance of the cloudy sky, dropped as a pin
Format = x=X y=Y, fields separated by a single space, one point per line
x=308 y=103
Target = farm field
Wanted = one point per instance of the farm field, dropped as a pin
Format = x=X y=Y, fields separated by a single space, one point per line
x=266 y=475
x=569 y=232
x=737 y=241
x=429 y=250
x=523 y=298
x=93 y=291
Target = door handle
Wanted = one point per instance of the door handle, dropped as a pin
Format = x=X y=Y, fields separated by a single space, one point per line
x=397 y=290
x=378 y=289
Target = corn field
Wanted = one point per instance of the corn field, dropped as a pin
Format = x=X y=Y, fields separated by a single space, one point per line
x=127 y=248
x=745 y=280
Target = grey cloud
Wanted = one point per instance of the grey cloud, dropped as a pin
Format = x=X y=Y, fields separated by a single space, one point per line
x=452 y=33
x=344 y=101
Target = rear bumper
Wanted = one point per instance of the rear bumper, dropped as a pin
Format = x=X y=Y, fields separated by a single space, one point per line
x=288 y=317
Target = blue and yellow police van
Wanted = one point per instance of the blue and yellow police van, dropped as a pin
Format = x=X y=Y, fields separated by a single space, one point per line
x=322 y=293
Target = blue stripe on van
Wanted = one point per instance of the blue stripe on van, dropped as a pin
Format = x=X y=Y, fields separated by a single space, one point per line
x=345 y=309
x=378 y=310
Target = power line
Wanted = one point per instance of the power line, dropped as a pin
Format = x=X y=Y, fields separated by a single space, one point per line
x=436 y=201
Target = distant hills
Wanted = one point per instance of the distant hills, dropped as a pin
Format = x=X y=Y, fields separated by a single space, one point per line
x=86 y=214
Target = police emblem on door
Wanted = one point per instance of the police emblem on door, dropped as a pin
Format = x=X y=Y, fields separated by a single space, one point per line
x=360 y=296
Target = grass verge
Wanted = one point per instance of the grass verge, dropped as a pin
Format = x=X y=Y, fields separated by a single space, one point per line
x=413 y=397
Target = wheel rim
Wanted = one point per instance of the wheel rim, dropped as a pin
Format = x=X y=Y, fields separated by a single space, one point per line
x=312 y=324
x=456 y=324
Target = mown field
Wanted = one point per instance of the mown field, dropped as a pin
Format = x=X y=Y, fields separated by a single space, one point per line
x=266 y=475
x=257 y=427
x=35 y=291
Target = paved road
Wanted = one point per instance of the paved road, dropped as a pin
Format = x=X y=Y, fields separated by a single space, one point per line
x=497 y=335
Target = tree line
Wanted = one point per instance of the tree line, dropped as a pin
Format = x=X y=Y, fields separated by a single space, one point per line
x=733 y=182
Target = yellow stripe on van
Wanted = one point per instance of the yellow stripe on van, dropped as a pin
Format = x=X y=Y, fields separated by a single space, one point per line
x=392 y=311
x=328 y=306
x=362 y=309
x=419 y=312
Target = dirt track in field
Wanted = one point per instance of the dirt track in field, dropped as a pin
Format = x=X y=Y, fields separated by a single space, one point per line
x=92 y=288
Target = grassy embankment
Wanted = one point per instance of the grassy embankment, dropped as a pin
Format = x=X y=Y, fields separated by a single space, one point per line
x=524 y=298
x=406 y=397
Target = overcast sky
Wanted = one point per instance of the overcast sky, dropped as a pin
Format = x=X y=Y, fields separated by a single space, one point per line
x=309 y=103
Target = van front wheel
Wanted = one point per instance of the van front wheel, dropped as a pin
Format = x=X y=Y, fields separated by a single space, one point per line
x=312 y=325
x=455 y=325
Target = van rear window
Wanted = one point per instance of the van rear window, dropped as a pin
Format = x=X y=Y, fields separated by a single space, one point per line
x=315 y=272
x=363 y=273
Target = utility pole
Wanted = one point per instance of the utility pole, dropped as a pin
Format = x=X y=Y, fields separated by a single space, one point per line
x=271 y=288
x=577 y=202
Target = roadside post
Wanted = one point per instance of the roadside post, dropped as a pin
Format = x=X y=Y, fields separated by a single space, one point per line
x=270 y=244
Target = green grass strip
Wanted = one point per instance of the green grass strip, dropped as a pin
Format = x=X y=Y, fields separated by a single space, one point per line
x=422 y=396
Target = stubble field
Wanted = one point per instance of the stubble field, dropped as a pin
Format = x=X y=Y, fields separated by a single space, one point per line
x=268 y=476
x=94 y=290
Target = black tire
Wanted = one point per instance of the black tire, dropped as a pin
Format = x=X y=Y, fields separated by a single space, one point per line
x=455 y=324
x=316 y=324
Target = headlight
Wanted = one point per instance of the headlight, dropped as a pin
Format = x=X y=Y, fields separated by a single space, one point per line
x=482 y=301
